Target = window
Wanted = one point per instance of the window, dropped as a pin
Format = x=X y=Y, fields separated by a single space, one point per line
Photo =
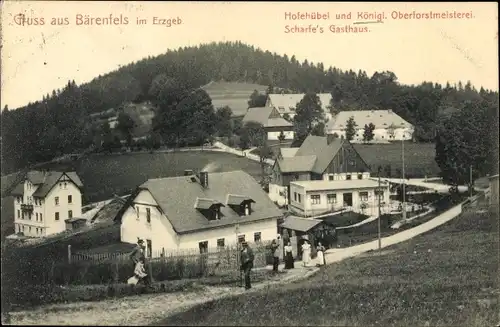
x=295 y=196
x=70 y=213
x=18 y=214
x=299 y=197
x=203 y=247
x=70 y=199
x=36 y=216
x=379 y=195
x=29 y=230
x=247 y=209
x=348 y=177
x=57 y=200
x=330 y=178
x=18 y=200
x=331 y=198
x=256 y=237
x=360 y=176
x=148 y=215
x=315 y=199
x=19 y=228
x=23 y=228
x=221 y=243
x=241 y=238
x=41 y=219
x=65 y=184
x=363 y=196
x=57 y=215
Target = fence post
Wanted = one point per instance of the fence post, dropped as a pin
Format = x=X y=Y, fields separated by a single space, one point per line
x=69 y=253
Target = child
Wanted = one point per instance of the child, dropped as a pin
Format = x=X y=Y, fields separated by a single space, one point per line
x=139 y=273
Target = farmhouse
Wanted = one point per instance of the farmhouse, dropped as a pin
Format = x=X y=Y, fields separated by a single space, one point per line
x=273 y=124
x=287 y=103
x=43 y=200
x=325 y=174
x=209 y=210
x=388 y=125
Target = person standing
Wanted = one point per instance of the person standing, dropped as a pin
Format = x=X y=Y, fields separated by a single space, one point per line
x=275 y=248
x=289 y=256
x=321 y=254
x=306 y=253
x=138 y=257
x=246 y=257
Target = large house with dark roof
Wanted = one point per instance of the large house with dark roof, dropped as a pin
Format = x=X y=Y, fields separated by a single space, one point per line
x=44 y=200
x=273 y=124
x=204 y=211
x=389 y=126
x=324 y=174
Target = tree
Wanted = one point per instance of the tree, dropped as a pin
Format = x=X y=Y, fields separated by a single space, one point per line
x=264 y=152
x=391 y=131
x=281 y=137
x=318 y=129
x=368 y=132
x=253 y=134
x=308 y=114
x=125 y=126
x=388 y=171
x=223 y=121
x=350 y=130
x=462 y=143
x=257 y=100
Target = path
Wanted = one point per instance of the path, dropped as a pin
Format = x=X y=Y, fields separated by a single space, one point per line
x=147 y=309
x=442 y=188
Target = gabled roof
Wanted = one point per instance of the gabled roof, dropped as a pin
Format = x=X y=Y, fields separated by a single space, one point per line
x=288 y=152
x=176 y=197
x=300 y=224
x=261 y=115
x=45 y=180
x=380 y=118
x=289 y=101
x=314 y=155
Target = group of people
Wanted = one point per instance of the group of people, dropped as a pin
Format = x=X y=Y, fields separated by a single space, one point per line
x=289 y=257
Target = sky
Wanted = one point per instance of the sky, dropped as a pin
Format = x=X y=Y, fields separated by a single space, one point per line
x=37 y=59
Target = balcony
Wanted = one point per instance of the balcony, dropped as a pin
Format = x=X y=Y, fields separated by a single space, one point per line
x=27 y=207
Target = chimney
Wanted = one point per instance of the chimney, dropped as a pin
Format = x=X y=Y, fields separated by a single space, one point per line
x=188 y=172
x=204 y=179
x=330 y=138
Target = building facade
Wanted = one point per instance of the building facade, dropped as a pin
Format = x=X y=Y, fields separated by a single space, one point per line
x=199 y=212
x=287 y=103
x=388 y=125
x=43 y=200
x=331 y=171
x=312 y=198
x=274 y=125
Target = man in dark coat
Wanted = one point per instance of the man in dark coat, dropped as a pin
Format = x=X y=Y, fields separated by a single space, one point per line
x=246 y=257
x=275 y=249
x=138 y=254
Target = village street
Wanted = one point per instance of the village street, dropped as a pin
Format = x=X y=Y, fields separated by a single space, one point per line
x=147 y=309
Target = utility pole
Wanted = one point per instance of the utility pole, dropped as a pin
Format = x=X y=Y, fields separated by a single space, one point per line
x=379 y=213
x=403 y=172
x=471 y=185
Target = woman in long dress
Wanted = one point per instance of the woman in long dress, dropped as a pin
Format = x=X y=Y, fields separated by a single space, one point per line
x=321 y=254
x=289 y=256
x=306 y=253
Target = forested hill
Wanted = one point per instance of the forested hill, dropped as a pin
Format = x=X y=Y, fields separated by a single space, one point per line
x=59 y=122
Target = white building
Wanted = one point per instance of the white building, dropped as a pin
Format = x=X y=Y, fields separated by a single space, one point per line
x=287 y=103
x=310 y=198
x=273 y=124
x=323 y=175
x=209 y=210
x=388 y=125
x=43 y=200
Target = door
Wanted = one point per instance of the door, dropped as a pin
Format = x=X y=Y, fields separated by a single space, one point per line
x=149 y=248
x=348 y=199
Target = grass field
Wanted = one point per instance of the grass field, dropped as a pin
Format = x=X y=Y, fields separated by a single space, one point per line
x=445 y=277
x=234 y=95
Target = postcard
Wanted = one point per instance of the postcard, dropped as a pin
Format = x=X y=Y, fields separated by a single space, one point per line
x=238 y=163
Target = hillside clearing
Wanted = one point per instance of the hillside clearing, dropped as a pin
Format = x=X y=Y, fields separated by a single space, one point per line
x=445 y=277
x=232 y=94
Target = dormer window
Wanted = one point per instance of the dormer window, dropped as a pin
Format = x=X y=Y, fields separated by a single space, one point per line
x=241 y=204
x=210 y=208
